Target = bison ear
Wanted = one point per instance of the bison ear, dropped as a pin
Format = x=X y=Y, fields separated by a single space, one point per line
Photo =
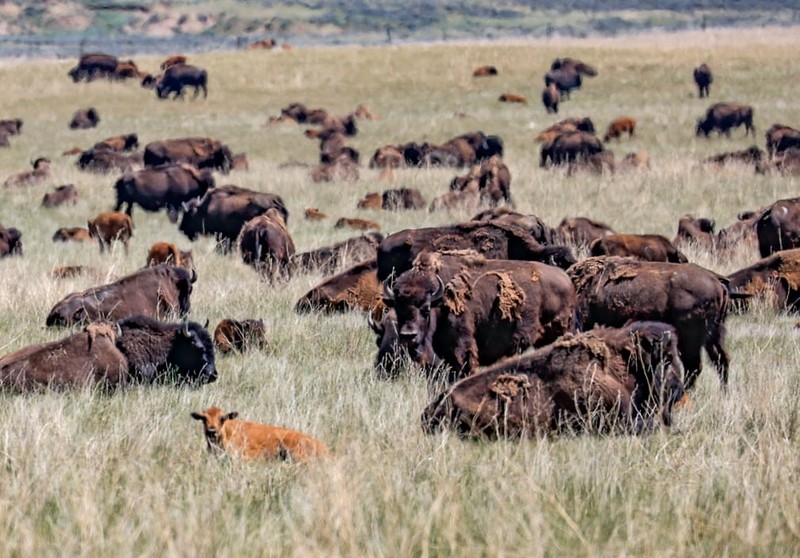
x=198 y=416
x=206 y=325
x=230 y=416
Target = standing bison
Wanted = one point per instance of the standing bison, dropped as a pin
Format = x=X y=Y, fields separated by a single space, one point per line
x=177 y=77
x=723 y=117
x=199 y=152
x=703 y=79
x=569 y=147
x=265 y=243
x=165 y=186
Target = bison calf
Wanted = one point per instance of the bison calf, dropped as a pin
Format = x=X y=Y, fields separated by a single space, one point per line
x=110 y=226
x=63 y=195
x=168 y=253
x=619 y=126
x=84 y=119
x=239 y=335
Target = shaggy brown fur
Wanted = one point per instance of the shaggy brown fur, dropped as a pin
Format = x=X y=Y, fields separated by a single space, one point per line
x=63 y=195
x=356 y=288
x=240 y=335
x=111 y=226
x=168 y=253
x=329 y=258
x=314 y=214
x=647 y=247
x=265 y=243
x=619 y=126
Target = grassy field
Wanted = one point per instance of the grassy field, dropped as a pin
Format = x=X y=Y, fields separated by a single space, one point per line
x=86 y=473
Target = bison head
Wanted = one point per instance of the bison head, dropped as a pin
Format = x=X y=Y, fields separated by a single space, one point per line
x=192 y=355
x=704 y=127
x=223 y=159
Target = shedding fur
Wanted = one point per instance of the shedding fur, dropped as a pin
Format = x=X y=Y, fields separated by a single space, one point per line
x=510 y=297
x=789 y=269
x=457 y=292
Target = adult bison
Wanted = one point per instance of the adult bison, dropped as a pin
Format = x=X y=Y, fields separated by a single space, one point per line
x=703 y=78
x=265 y=243
x=179 y=76
x=696 y=232
x=780 y=138
x=133 y=350
x=199 y=152
x=223 y=211
x=530 y=223
x=491 y=179
x=106 y=161
x=569 y=147
x=612 y=291
x=494 y=240
x=83 y=119
x=466 y=311
x=165 y=186
x=722 y=117
x=604 y=380
x=10 y=242
x=581 y=231
x=93 y=66
x=355 y=288
x=152 y=291
x=328 y=259
x=647 y=247
x=778 y=228
x=564 y=80
x=776 y=278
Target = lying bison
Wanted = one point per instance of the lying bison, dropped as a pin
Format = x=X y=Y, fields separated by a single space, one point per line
x=775 y=278
x=778 y=228
x=722 y=117
x=612 y=291
x=165 y=186
x=330 y=258
x=133 y=350
x=199 y=152
x=154 y=291
x=239 y=335
x=106 y=161
x=530 y=223
x=604 y=380
x=581 y=231
x=466 y=311
x=355 y=288
x=647 y=247
x=569 y=147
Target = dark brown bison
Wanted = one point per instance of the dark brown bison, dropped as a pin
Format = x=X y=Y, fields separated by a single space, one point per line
x=72 y=234
x=596 y=163
x=566 y=74
x=265 y=243
x=199 y=152
x=742 y=233
x=722 y=117
x=397 y=199
x=153 y=291
x=778 y=228
x=126 y=142
x=178 y=76
x=604 y=380
x=114 y=354
x=612 y=291
x=494 y=240
x=573 y=64
x=619 y=126
x=467 y=311
x=529 y=223
x=223 y=211
x=330 y=258
x=775 y=278
x=11 y=127
x=550 y=98
x=703 y=79
x=94 y=66
x=10 y=242
x=355 y=288
x=110 y=226
x=240 y=335
x=168 y=253
x=780 y=138
x=62 y=195
x=166 y=186
x=696 y=232
x=105 y=161
x=581 y=231
x=84 y=119
x=39 y=174
x=567 y=125
x=484 y=71
x=491 y=179
x=569 y=147
x=646 y=247
x=750 y=156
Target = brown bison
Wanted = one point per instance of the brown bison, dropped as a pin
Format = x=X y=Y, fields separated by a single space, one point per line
x=358 y=224
x=646 y=247
x=265 y=243
x=604 y=380
x=466 y=311
x=387 y=157
x=397 y=199
x=153 y=291
x=173 y=60
x=750 y=156
x=11 y=127
x=703 y=79
x=491 y=179
x=619 y=126
x=596 y=163
x=131 y=351
x=569 y=147
x=106 y=161
x=125 y=70
x=199 y=152
x=567 y=125
x=168 y=253
x=550 y=98
x=314 y=214
x=179 y=76
x=696 y=232
x=780 y=138
x=84 y=119
x=355 y=288
x=240 y=335
x=39 y=174
x=742 y=233
x=165 y=186
x=778 y=227
x=581 y=231
x=612 y=291
x=126 y=142
x=110 y=226
x=72 y=234
x=776 y=278
x=512 y=98
x=484 y=71
x=372 y=200
x=330 y=258
x=635 y=160
x=10 y=242
x=62 y=195
x=493 y=240
x=93 y=66
x=530 y=223
x=722 y=117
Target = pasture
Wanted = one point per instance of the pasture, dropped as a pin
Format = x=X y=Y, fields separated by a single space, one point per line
x=92 y=473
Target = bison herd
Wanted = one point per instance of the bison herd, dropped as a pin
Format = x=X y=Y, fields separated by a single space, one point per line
x=518 y=335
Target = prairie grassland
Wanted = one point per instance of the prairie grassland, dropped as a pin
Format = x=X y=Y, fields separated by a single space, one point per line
x=87 y=473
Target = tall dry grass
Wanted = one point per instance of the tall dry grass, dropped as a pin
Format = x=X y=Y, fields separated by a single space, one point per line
x=87 y=473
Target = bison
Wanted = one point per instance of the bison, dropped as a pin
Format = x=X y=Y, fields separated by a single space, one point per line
x=92 y=66
x=778 y=227
x=397 y=199
x=619 y=126
x=265 y=243
x=125 y=142
x=152 y=291
x=39 y=174
x=10 y=242
x=703 y=78
x=72 y=234
x=166 y=186
x=105 y=161
x=83 y=119
x=197 y=151
x=776 y=278
x=529 y=223
x=314 y=214
x=605 y=380
x=564 y=79
x=465 y=310
x=697 y=232
x=646 y=247
x=722 y=117
x=780 y=138
x=178 y=76
x=356 y=223
x=168 y=253
x=173 y=60
x=581 y=231
x=567 y=125
x=550 y=98
x=240 y=335
x=11 y=127
x=62 y=195
x=109 y=226
x=569 y=147
x=354 y=288
x=612 y=291
x=330 y=258
x=750 y=156
x=512 y=98
x=485 y=71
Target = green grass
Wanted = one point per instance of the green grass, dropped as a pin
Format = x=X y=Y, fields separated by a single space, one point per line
x=87 y=473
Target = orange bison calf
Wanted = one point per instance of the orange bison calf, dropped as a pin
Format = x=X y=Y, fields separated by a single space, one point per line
x=110 y=226
x=619 y=126
x=251 y=440
x=512 y=98
x=166 y=252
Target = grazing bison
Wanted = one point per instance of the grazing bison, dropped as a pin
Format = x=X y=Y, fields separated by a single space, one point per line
x=354 y=288
x=550 y=98
x=152 y=291
x=397 y=199
x=619 y=126
x=168 y=253
x=105 y=161
x=750 y=156
x=703 y=79
x=778 y=227
x=512 y=98
x=612 y=291
x=330 y=258
x=581 y=231
x=199 y=152
x=776 y=278
x=567 y=125
x=93 y=66
x=178 y=76
x=10 y=242
x=265 y=243
x=133 y=350
x=62 y=195
x=126 y=142
x=722 y=117
x=568 y=147
x=84 y=119
x=39 y=174
x=356 y=223
x=466 y=311
x=110 y=226
x=72 y=234
x=11 y=127
x=605 y=380
x=697 y=232
x=223 y=211
x=646 y=247
x=780 y=138
x=494 y=240
x=166 y=186
x=240 y=335
x=484 y=71
x=564 y=79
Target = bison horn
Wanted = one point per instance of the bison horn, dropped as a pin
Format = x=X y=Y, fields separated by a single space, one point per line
x=439 y=292
x=185 y=329
x=377 y=328
x=207 y=322
x=388 y=293
x=193 y=278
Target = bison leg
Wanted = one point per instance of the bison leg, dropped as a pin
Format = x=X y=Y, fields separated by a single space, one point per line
x=689 y=346
x=172 y=213
x=719 y=356
x=205 y=91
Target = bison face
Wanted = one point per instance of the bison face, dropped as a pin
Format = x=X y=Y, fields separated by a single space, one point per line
x=192 y=355
x=703 y=127
x=223 y=159
x=415 y=299
x=390 y=353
